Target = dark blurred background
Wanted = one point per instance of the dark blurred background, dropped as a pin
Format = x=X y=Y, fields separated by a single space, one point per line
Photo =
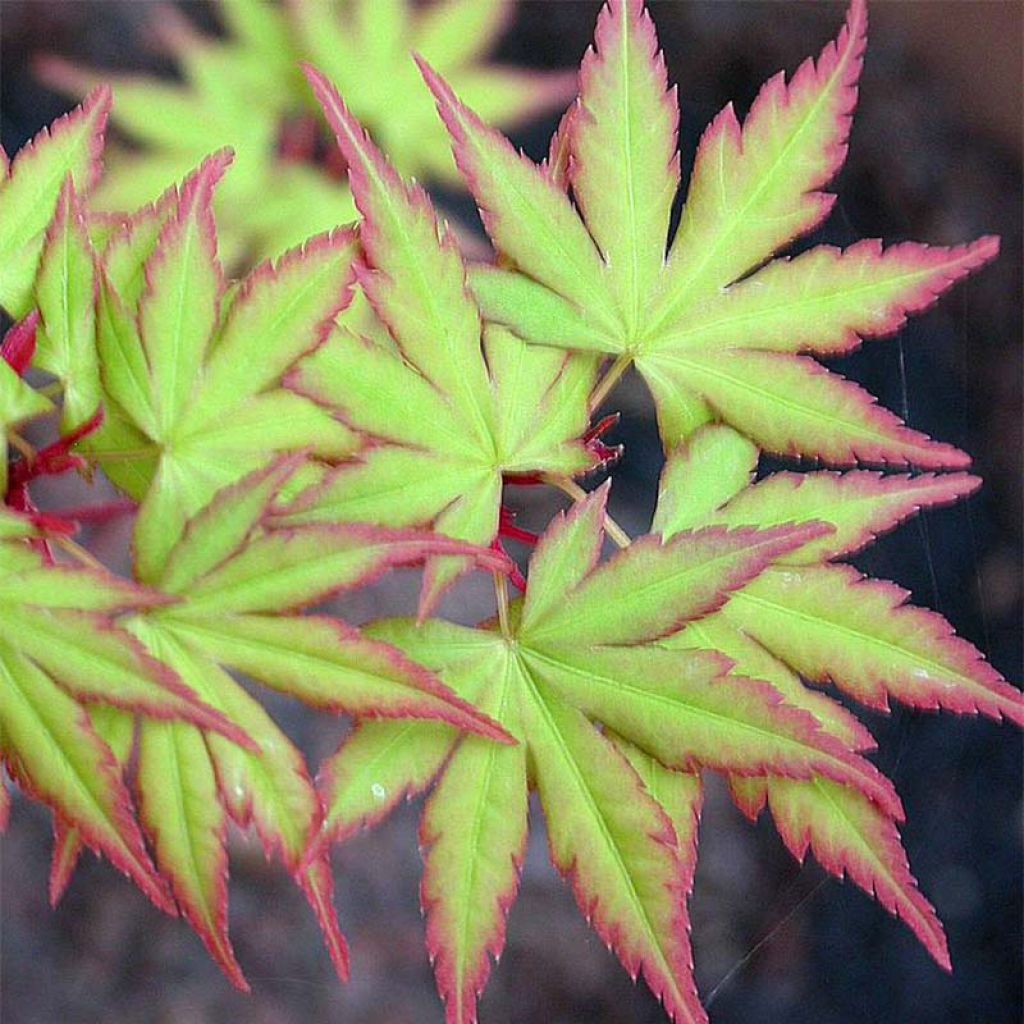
x=935 y=157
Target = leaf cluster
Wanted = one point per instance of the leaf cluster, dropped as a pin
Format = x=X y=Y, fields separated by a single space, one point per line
x=245 y=90
x=367 y=400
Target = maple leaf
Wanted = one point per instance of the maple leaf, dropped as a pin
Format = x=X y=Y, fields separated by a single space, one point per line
x=190 y=370
x=236 y=588
x=582 y=647
x=715 y=330
x=43 y=175
x=809 y=617
x=363 y=46
x=61 y=651
x=244 y=90
x=451 y=405
x=65 y=297
x=30 y=188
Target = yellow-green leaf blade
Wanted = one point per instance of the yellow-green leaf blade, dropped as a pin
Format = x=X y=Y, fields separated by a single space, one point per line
x=65 y=295
x=186 y=823
x=755 y=189
x=829 y=623
x=52 y=750
x=29 y=192
x=617 y=847
x=625 y=170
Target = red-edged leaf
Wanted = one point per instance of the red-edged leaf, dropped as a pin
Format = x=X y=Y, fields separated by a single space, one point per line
x=860 y=504
x=756 y=188
x=474 y=832
x=117 y=729
x=28 y=193
x=620 y=855
x=660 y=585
x=317 y=883
x=625 y=188
x=186 y=823
x=332 y=666
x=379 y=765
x=791 y=405
x=830 y=623
x=826 y=300
x=849 y=837
x=52 y=751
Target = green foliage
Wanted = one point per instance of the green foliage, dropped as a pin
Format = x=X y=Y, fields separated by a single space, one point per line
x=245 y=91
x=360 y=404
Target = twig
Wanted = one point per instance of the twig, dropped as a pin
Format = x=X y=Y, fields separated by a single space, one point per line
x=615 y=532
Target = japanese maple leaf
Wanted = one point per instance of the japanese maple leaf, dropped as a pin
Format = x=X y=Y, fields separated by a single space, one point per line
x=191 y=369
x=716 y=331
x=808 y=616
x=61 y=652
x=582 y=647
x=451 y=405
x=65 y=298
x=363 y=46
x=31 y=185
x=233 y=592
x=35 y=189
x=244 y=90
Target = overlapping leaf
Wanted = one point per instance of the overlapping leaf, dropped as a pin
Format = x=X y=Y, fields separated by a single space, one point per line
x=191 y=372
x=19 y=401
x=583 y=648
x=715 y=337
x=61 y=651
x=244 y=90
x=235 y=587
x=65 y=293
x=450 y=414
x=825 y=622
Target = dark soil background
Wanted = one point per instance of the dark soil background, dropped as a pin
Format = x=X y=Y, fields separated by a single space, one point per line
x=935 y=157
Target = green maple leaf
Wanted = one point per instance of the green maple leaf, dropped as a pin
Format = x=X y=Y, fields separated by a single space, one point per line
x=810 y=617
x=236 y=591
x=363 y=46
x=716 y=335
x=37 y=188
x=191 y=369
x=61 y=652
x=31 y=185
x=65 y=296
x=451 y=406
x=583 y=647
x=245 y=91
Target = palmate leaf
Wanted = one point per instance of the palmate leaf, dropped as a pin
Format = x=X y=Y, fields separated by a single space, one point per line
x=233 y=590
x=450 y=413
x=61 y=651
x=244 y=91
x=364 y=46
x=191 y=373
x=713 y=340
x=822 y=621
x=581 y=648
x=232 y=95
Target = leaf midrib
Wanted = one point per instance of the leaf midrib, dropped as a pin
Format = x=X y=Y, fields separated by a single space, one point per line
x=637 y=903
x=680 y=330
x=740 y=215
x=860 y=637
